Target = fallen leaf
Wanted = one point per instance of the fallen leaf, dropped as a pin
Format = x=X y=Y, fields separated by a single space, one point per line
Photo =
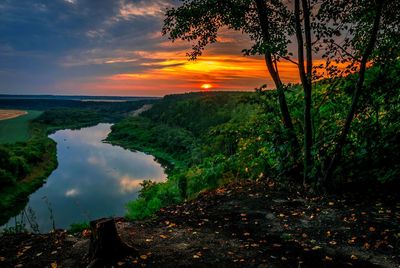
x=2 y=258
x=316 y=248
x=163 y=236
x=143 y=257
x=354 y=257
x=328 y=233
x=351 y=241
x=327 y=258
x=54 y=265
x=86 y=233
x=40 y=253
x=120 y=263
x=372 y=229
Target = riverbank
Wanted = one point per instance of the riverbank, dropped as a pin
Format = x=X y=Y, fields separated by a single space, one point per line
x=13 y=198
x=248 y=224
x=25 y=165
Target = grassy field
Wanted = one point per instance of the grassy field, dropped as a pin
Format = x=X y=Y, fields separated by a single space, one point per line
x=16 y=129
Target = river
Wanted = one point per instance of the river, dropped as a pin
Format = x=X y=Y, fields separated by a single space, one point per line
x=93 y=180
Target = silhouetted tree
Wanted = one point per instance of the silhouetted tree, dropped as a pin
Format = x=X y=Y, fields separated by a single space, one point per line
x=267 y=23
x=357 y=33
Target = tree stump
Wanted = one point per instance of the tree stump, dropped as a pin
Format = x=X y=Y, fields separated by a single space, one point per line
x=106 y=246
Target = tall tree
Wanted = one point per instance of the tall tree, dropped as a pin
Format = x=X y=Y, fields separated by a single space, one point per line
x=271 y=62
x=372 y=30
x=265 y=23
x=303 y=28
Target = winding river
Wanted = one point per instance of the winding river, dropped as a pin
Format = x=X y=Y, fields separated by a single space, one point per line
x=93 y=180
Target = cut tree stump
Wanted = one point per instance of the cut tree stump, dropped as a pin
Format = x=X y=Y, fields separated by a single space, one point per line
x=106 y=246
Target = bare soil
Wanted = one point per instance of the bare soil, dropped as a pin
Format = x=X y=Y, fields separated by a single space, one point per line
x=249 y=224
x=8 y=114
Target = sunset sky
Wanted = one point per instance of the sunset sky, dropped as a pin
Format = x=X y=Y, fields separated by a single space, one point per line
x=114 y=47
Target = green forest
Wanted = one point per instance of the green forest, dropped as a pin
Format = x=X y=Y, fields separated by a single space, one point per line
x=238 y=136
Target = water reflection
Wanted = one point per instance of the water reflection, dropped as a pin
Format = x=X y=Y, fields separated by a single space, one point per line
x=93 y=179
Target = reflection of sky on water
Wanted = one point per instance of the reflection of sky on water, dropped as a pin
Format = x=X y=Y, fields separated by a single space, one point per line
x=93 y=178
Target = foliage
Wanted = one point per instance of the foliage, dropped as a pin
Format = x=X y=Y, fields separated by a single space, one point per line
x=246 y=141
x=152 y=197
x=78 y=227
x=24 y=167
x=350 y=33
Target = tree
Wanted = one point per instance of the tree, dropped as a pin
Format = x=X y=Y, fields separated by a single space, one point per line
x=373 y=26
x=351 y=32
x=305 y=76
x=265 y=22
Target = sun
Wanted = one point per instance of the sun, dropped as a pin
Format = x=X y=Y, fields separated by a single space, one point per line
x=206 y=86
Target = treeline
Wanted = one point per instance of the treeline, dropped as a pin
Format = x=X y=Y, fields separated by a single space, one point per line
x=24 y=166
x=87 y=115
x=57 y=103
x=173 y=128
x=18 y=160
x=213 y=138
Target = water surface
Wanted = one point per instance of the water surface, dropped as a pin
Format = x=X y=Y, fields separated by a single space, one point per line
x=93 y=179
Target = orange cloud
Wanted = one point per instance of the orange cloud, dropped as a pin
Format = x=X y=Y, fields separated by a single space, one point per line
x=171 y=72
x=225 y=72
x=167 y=70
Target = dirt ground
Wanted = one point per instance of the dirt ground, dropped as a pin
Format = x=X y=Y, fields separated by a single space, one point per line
x=8 y=114
x=251 y=224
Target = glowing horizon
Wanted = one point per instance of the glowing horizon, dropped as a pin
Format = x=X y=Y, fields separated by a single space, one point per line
x=118 y=50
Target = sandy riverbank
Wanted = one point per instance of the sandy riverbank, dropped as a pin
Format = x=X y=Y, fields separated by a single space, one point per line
x=8 y=114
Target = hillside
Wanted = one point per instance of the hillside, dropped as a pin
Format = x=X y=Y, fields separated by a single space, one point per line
x=247 y=224
x=211 y=138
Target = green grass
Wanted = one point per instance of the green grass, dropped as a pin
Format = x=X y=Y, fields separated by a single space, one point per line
x=17 y=129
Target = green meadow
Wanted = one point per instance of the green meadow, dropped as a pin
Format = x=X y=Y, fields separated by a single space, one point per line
x=17 y=129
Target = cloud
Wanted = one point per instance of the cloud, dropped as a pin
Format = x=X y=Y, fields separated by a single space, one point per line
x=129 y=184
x=71 y=193
x=130 y=9
x=113 y=47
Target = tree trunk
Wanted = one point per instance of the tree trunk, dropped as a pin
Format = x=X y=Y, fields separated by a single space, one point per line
x=287 y=120
x=327 y=180
x=106 y=247
x=306 y=80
